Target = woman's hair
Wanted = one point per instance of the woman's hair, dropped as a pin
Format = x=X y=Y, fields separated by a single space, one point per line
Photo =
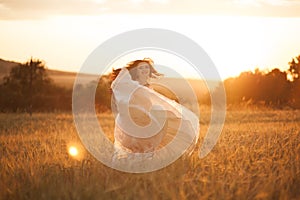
x=131 y=66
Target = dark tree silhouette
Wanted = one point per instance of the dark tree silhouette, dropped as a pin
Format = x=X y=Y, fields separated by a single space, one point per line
x=25 y=83
x=271 y=88
x=294 y=68
x=294 y=72
x=29 y=88
x=275 y=88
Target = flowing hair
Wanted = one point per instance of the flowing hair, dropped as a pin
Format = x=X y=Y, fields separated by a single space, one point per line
x=131 y=66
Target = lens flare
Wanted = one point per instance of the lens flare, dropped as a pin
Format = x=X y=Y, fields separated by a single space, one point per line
x=73 y=151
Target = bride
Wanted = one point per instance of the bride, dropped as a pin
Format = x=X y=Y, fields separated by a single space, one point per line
x=148 y=125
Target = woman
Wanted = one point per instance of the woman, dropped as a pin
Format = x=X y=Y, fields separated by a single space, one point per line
x=146 y=121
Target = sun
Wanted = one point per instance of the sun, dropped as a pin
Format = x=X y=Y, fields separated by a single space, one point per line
x=73 y=151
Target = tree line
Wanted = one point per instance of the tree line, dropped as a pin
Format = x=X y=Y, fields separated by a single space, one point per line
x=28 y=88
x=275 y=88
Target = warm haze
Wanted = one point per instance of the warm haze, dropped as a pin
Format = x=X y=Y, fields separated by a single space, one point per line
x=44 y=153
x=237 y=35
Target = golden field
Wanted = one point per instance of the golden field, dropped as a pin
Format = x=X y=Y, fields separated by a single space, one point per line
x=256 y=157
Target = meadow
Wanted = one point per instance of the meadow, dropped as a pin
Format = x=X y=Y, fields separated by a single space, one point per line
x=256 y=157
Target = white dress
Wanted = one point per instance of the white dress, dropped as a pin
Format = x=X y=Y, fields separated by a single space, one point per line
x=149 y=125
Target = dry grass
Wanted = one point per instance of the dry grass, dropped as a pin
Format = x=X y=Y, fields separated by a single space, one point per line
x=257 y=157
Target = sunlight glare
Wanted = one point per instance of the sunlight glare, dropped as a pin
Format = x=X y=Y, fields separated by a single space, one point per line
x=73 y=151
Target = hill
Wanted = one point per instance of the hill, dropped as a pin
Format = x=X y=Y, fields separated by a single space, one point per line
x=5 y=67
x=61 y=78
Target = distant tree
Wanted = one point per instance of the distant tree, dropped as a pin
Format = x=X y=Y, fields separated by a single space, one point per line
x=294 y=68
x=275 y=88
x=244 y=88
x=294 y=72
x=272 y=88
x=25 y=85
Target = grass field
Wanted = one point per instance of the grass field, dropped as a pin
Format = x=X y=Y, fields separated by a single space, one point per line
x=257 y=157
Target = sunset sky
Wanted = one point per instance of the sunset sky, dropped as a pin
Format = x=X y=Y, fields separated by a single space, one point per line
x=238 y=35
